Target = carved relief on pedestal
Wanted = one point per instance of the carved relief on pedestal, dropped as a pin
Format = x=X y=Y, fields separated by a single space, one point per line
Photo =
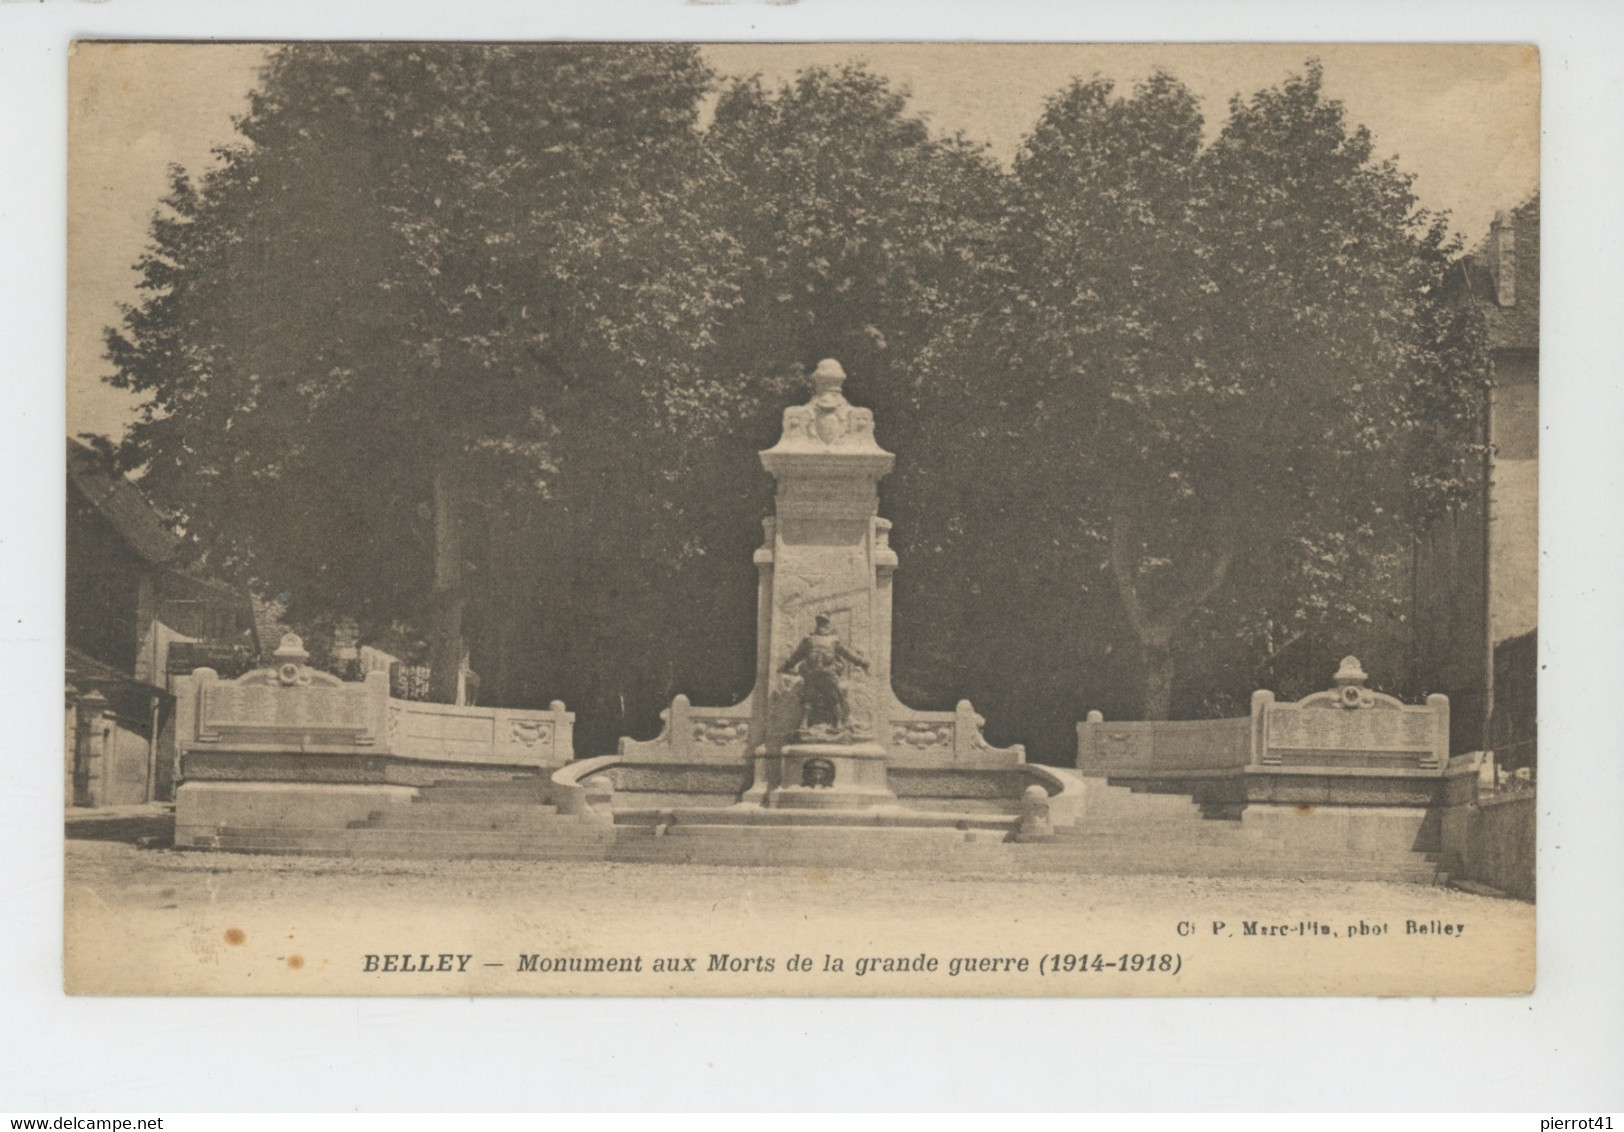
x=822 y=603
x=828 y=419
x=823 y=681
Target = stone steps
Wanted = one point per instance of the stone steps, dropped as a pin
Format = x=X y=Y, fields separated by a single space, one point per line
x=454 y=819
x=1239 y=859
x=850 y=847
x=1128 y=832
x=582 y=842
x=1117 y=815
x=899 y=850
x=466 y=815
x=1156 y=830
x=525 y=789
x=869 y=818
x=1101 y=800
x=1121 y=832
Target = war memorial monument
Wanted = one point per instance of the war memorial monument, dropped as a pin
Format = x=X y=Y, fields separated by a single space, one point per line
x=822 y=764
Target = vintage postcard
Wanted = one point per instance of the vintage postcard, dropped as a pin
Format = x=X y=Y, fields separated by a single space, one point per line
x=801 y=519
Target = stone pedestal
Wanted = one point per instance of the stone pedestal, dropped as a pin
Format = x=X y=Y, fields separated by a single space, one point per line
x=824 y=653
x=821 y=776
x=821 y=727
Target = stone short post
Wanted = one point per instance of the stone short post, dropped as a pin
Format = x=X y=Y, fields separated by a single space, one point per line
x=94 y=749
x=1035 y=823
x=600 y=801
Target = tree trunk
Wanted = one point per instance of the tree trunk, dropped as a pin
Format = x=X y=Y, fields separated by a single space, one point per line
x=1156 y=629
x=445 y=641
x=1159 y=668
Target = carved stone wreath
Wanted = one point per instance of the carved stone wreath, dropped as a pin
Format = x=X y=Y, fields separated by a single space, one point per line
x=921 y=736
x=720 y=732
x=531 y=731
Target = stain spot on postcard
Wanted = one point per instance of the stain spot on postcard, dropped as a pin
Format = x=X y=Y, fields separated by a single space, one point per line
x=236 y=937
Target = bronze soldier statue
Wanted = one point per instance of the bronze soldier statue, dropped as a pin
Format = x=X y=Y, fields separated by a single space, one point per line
x=820 y=660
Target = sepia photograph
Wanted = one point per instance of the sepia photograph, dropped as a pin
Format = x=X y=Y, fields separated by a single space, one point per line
x=801 y=519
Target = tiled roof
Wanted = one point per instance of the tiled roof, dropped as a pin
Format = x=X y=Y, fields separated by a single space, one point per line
x=121 y=504
x=85 y=672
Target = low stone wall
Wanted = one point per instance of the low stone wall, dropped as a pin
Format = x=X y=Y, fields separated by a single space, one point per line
x=500 y=736
x=1348 y=773
x=649 y=786
x=291 y=709
x=1162 y=748
x=291 y=752
x=997 y=790
x=973 y=790
x=945 y=738
x=691 y=734
x=1347 y=730
x=1495 y=843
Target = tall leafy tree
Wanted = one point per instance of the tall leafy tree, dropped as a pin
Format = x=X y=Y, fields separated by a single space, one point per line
x=362 y=335
x=841 y=228
x=1236 y=362
x=859 y=234
x=480 y=343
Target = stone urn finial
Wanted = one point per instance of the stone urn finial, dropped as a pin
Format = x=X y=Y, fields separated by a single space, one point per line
x=291 y=649
x=828 y=377
x=1349 y=673
x=290 y=657
x=1350 y=684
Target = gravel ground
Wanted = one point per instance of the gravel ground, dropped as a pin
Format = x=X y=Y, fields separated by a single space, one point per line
x=143 y=920
x=135 y=877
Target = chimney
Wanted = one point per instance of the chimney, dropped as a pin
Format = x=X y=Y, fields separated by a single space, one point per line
x=1504 y=238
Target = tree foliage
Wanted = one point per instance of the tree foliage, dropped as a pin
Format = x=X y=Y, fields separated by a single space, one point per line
x=480 y=344
x=1228 y=364
x=861 y=235
x=364 y=331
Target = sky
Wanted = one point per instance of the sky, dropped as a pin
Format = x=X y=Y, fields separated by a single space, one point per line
x=1463 y=119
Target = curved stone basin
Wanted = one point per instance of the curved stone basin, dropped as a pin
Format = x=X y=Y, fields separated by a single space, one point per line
x=664 y=794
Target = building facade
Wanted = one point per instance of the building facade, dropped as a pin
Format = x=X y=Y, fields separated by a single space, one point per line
x=133 y=618
x=1477 y=571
